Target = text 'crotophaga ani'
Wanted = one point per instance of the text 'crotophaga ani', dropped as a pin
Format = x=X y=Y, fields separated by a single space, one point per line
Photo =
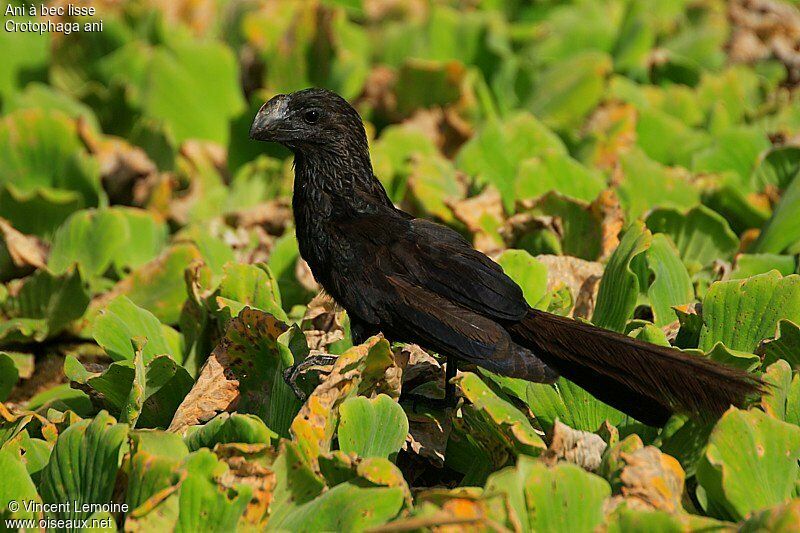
x=417 y=281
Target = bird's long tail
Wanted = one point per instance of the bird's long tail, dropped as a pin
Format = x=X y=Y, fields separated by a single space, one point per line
x=646 y=381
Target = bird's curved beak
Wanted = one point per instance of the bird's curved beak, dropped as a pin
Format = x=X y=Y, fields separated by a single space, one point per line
x=268 y=119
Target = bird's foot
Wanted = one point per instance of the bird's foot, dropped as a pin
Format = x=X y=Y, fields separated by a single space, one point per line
x=296 y=373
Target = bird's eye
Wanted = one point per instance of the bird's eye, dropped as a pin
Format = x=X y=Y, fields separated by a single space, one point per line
x=311 y=116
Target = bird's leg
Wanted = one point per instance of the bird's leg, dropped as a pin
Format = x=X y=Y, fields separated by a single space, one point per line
x=291 y=374
x=450 y=388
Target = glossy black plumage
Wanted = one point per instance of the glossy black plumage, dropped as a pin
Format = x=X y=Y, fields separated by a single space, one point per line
x=417 y=281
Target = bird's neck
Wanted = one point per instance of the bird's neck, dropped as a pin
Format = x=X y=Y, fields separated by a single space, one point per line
x=328 y=187
x=335 y=183
x=332 y=174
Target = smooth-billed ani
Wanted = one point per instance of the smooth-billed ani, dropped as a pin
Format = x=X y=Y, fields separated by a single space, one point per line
x=417 y=281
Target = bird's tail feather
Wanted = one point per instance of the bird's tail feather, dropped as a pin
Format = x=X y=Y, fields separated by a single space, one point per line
x=646 y=381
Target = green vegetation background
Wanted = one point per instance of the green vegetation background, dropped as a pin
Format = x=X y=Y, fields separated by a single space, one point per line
x=633 y=163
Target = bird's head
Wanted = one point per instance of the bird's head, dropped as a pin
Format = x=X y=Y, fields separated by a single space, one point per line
x=310 y=120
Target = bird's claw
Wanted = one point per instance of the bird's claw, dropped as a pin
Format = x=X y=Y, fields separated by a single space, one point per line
x=291 y=374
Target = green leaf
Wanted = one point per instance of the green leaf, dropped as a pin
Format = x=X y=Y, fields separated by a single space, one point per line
x=17 y=486
x=630 y=519
x=204 y=504
x=433 y=184
x=148 y=238
x=647 y=183
x=737 y=150
x=83 y=466
x=63 y=398
x=164 y=382
x=570 y=29
x=527 y=272
x=785 y=345
x=749 y=265
x=736 y=358
x=228 y=427
x=700 y=234
x=619 y=287
x=570 y=404
x=750 y=463
x=579 y=225
x=635 y=39
x=372 y=427
x=257 y=358
x=201 y=76
x=671 y=285
x=646 y=331
x=132 y=407
x=52 y=207
x=154 y=464
x=39 y=95
x=9 y=375
x=494 y=154
x=729 y=200
x=296 y=484
x=562 y=498
x=732 y=93
x=158 y=286
x=668 y=140
x=41 y=154
x=742 y=313
x=557 y=172
x=392 y=155
x=565 y=92
x=425 y=83
x=782 y=230
x=27 y=54
x=776 y=400
x=120 y=321
x=778 y=167
x=249 y=285
x=497 y=418
x=282 y=262
x=42 y=307
x=779 y=518
x=345 y=507
x=214 y=251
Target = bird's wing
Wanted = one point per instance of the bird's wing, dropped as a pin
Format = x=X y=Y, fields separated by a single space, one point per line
x=432 y=257
x=424 y=283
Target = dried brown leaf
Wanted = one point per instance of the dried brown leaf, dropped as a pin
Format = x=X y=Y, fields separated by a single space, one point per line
x=314 y=425
x=580 y=276
x=379 y=91
x=418 y=367
x=764 y=28
x=580 y=447
x=235 y=374
x=26 y=251
x=428 y=435
x=443 y=126
x=612 y=130
x=474 y=212
x=250 y=464
x=123 y=166
x=612 y=219
x=323 y=323
x=215 y=390
x=650 y=480
x=273 y=216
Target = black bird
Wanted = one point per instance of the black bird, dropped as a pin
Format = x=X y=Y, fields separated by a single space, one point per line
x=417 y=281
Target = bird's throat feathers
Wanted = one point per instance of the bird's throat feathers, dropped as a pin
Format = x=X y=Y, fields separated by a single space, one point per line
x=337 y=177
x=333 y=173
